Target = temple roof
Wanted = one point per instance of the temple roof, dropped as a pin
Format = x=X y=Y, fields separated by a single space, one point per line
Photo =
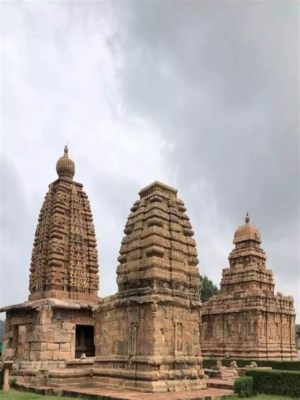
x=158 y=253
x=157 y=187
x=246 y=232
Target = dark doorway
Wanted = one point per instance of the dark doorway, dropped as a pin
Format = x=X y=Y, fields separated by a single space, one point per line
x=84 y=341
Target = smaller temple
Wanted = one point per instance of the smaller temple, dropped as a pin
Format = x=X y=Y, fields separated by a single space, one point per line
x=247 y=320
x=57 y=322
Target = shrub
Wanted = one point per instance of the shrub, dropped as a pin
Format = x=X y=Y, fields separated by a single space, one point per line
x=243 y=386
x=13 y=382
x=286 y=383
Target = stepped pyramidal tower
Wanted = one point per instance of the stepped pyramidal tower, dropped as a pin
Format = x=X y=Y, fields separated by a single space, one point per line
x=148 y=334
x=56 y=323
x=247 y=320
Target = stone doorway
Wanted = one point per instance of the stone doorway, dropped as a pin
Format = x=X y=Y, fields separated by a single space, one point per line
x=84 y=341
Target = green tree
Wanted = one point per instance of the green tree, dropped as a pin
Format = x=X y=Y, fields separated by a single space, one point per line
x=207 y=288
x=1 y=330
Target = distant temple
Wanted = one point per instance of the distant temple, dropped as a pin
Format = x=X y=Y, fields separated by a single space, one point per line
x=247 y=320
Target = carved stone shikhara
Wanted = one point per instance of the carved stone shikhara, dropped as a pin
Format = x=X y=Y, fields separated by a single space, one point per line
x=64 y=258
x=247 y=320
x=148 y=334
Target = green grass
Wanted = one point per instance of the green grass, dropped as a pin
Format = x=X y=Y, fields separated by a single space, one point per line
x=18 y=395
x=263 y=397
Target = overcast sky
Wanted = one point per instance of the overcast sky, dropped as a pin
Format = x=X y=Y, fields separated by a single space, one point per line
x=201 y=95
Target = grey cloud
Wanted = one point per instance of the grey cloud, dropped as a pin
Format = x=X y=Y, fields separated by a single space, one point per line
x=17 y=230
x=221 y=79
x=204 y=95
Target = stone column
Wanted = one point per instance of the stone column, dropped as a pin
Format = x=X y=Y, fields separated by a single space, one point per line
x=6 y=367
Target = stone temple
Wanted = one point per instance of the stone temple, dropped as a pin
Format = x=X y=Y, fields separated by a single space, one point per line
x=148 y=334
x=247 y=320
x=57 y=322
x=145 y=337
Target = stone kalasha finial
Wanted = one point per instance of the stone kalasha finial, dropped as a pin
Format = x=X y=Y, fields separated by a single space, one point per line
x=247 y=218
x=65 y=167
x=66 y=150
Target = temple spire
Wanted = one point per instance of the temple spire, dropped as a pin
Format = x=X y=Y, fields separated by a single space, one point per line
x=64 y=258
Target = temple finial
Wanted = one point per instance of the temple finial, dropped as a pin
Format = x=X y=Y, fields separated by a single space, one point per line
x=247 y=218
x=65 y=167
x=66 y=151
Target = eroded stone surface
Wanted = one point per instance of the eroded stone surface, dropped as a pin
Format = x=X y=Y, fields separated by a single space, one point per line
x=247 y=320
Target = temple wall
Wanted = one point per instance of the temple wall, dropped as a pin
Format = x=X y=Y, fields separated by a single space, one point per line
x=44 y=333
x=249 y=334
x=141 y=329
x=148 y=346
x=124 y=331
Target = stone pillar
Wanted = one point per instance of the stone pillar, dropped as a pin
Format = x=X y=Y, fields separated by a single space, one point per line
x=5 y=368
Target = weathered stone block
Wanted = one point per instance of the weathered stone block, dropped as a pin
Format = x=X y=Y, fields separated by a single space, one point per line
x=60 y=336
x=53 y=346
x=65 y=347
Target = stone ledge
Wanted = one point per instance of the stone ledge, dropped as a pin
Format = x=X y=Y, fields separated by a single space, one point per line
x=110 y=394
x=52 y=302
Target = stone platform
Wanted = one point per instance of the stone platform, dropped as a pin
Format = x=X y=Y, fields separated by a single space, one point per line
x=112 y=394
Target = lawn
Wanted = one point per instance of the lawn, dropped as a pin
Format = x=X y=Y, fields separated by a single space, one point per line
x=263 y=397
x=16 y=395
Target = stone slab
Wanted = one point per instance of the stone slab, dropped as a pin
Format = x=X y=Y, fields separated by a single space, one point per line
x=110 y=394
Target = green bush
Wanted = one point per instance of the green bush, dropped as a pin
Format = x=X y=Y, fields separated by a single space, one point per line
x=243 y=386
x=279 y=365
x=286 y=383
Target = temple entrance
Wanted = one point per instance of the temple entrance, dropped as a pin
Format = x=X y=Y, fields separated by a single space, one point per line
x=84 y=342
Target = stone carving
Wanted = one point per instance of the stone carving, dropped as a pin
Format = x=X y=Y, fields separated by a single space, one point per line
x=253 y=321
x=157 y=307
x=64 y=258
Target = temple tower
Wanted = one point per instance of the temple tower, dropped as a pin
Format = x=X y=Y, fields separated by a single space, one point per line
x=247 y=320
x=148 y=334
x=64 y=258
x=57 y=321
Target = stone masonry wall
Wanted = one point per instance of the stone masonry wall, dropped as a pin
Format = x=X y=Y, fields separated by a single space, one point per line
x=44 y=333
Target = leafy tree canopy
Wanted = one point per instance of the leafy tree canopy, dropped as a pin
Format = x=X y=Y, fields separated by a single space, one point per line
x=207 y=288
